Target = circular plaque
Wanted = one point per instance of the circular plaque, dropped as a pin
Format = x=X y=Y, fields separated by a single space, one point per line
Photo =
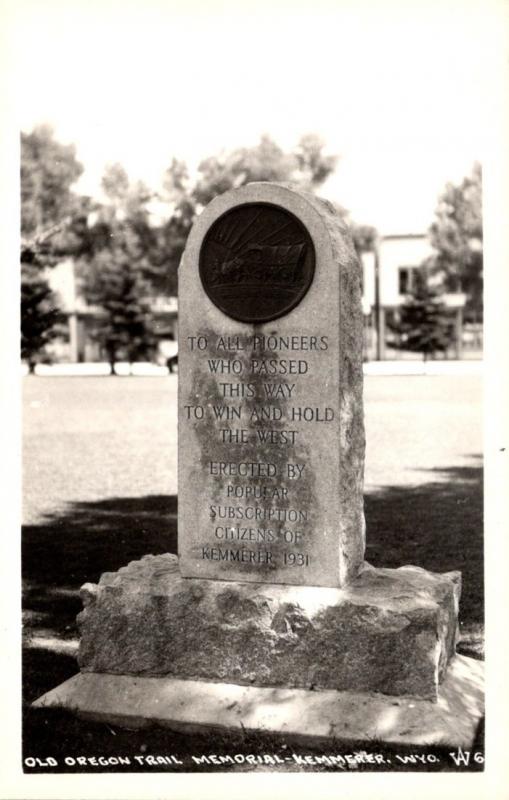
x=257 y=262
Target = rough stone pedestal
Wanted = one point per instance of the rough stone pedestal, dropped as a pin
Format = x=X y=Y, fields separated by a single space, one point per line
x=392 y=631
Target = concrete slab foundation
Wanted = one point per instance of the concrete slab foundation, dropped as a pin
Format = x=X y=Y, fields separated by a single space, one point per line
x=298 y=714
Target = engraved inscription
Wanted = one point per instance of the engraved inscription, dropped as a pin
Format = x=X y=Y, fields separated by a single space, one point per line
x=257 y=262
x=254 y=428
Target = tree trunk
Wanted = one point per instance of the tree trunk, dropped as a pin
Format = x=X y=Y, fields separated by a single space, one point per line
x=111 y=353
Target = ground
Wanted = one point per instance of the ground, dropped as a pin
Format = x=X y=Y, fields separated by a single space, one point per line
x=100 y=489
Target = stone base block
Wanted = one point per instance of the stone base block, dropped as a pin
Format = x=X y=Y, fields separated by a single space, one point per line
x=390 y=631
x=298 y=714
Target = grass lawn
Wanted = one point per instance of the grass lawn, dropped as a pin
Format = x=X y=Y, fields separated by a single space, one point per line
x=100 y=486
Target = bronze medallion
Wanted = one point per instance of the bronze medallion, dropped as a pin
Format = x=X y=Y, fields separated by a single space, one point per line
x=257 y=262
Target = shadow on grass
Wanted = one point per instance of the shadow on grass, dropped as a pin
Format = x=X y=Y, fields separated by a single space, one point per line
x=69 y=549
x=437 y=525
x=93 y=537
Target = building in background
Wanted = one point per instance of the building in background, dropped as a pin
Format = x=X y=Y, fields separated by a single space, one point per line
x=77 y=343
x=388 y=275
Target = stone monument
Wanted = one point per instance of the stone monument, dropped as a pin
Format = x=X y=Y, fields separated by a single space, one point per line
x=270 y=598
x=270 y=393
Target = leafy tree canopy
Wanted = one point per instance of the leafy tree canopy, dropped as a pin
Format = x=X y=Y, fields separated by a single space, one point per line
x=123 y=256
x=457 y=237
x=126 y=200
x=48 y=171
x=121 y=224
x=307 y=166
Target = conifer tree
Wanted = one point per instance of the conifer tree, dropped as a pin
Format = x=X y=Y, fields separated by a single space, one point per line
x=40 y=316
x=115 y=273
x=423 y=324
x=115 y=284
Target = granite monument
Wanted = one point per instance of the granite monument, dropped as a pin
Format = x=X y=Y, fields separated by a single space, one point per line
x=270 y=597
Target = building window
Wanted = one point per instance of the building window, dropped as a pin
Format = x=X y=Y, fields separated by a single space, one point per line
x=406 y=279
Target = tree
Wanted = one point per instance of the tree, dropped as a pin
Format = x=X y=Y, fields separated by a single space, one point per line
x=53 y=224
x=457 y=237
x=364 y=237
x=307 y=166
x=422 y=323
x=314 y=167
x=163 y=244
x=48 y=171
x=115 y=284
x=116 y=270
x=40 y=316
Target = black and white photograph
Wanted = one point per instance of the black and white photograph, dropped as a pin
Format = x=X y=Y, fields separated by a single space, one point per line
x=252 y=370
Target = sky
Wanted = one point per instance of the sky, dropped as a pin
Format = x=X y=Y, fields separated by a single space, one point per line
x=400 y=91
